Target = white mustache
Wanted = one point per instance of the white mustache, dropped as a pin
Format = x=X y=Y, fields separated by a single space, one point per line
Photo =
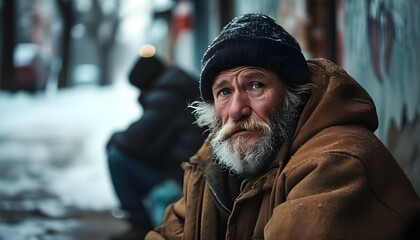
x=232 y=127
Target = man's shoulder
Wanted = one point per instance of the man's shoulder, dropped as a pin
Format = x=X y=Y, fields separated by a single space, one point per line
x=345 y=149
x=350 y=142
x=342 y=137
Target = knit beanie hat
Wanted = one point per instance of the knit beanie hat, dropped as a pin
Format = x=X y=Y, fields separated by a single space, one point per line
x=253 y=40
x=146 y=71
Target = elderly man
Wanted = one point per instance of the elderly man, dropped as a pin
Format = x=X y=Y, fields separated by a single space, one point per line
x=291 y=154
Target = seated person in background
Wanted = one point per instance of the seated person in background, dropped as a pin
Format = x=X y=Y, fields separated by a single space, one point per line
x=150 y=151
x=291 y=153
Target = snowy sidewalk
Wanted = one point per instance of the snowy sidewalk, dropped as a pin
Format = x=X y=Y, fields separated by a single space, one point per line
x=54 y=181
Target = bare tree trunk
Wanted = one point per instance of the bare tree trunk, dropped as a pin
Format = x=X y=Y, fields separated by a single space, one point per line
x=66 y=9
x=105 y=40
x=7 y=78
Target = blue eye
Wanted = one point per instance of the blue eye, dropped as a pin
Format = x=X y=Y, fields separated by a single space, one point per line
x=224 y=92
x=257 y=85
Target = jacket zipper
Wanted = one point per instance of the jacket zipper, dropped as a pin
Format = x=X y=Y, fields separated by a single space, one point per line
x=227 y=210
x=220 y=203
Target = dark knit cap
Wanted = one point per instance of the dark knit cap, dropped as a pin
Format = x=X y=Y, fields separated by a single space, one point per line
x=146 y=71
x=253 y=40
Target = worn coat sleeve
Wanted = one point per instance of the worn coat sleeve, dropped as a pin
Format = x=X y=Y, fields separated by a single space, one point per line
x=332 y=193
x=173 y=227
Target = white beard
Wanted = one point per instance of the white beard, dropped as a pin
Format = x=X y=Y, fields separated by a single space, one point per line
x=241 y=159
x=247 y=161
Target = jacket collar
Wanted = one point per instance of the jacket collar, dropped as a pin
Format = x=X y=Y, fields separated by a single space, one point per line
x=226 y=187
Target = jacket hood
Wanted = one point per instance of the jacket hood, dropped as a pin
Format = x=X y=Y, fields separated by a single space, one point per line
x=336 y=100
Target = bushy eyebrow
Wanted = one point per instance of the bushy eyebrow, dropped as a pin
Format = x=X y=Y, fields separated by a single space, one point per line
x=219 y=84
x=249 y=76
x=254 y=76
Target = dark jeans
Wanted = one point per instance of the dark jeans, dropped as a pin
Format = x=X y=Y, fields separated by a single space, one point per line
x=132 y=183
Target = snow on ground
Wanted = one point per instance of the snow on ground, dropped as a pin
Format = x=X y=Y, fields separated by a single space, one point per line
x=55 y=143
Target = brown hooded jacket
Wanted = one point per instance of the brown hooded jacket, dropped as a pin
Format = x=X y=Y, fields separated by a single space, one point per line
x=335 y=180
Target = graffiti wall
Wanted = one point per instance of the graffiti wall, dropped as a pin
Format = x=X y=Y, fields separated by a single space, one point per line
x=381 y=52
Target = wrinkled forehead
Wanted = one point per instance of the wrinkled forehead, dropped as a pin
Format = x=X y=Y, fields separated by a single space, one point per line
x=246 y=73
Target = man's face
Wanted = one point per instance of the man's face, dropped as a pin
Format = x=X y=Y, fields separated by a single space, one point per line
x=248 y=101
x=247 y=93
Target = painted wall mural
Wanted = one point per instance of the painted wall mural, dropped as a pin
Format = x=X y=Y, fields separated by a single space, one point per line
x=382 y=53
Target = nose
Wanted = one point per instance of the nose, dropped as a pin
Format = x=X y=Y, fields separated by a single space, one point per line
x=240 y=106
